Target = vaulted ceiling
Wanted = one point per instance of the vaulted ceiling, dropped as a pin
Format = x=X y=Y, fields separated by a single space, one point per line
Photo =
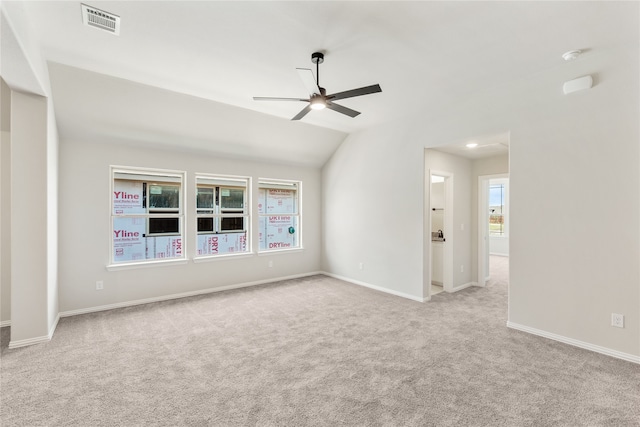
x=201 y=54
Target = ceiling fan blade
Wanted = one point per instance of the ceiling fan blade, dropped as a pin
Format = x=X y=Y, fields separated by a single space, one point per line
x=266 y=98
x=302 y=113
x=355 y=92
x=309 y=81
x=340 y=109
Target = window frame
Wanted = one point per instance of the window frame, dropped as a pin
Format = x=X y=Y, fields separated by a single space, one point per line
x=266 y=183
x=148 y=177
x=217 y=213
x=494 y=183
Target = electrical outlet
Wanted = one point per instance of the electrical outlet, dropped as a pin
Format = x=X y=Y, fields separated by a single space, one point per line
x=361 y=266
x=462 y=269
x=270 y=264
x=461 y=227
x=99 y=285
x=617 y=320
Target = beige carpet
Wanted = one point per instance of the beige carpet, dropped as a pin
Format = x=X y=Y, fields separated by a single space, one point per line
x=313 y=351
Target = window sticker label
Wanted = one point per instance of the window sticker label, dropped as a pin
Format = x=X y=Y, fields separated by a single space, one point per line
x=226 y=243
x=128 y=239
x=278 y=235
x=279 y=201
x=127 y=197
x=161 y=247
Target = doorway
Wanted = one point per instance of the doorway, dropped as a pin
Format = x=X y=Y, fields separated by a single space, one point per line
x=493 y=222
x=439 y=232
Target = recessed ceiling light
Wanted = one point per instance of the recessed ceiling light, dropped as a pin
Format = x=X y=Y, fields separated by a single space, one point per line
x=571 y=55
x=472 y=145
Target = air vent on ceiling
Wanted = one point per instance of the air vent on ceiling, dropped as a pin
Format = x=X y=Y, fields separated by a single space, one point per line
x=100 y=19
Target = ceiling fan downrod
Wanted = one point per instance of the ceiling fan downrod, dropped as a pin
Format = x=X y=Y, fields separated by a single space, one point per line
x=317 y=58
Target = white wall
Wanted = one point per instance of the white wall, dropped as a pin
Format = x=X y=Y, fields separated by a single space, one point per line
x=85 y=230
x=52 y=217
x=5 y=204
x=29 y=234
x=372 y=211
x=5 y=228
x=34 y=169
x=572 y=152
x=575 y=264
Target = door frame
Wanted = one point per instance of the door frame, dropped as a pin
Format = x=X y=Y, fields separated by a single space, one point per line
x=483 y=226
x=447 y=268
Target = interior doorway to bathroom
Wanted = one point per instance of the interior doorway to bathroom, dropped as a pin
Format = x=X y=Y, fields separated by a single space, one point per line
x=439 y=231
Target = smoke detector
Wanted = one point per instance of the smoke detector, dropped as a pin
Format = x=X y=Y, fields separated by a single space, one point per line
x=97 y=18
x=571 y=55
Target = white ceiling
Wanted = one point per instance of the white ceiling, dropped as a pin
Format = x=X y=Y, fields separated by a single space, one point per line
x=425 y=55
x=487 y=146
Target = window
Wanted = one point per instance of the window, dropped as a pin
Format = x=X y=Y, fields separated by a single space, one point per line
x=222 y=215
x=279 y=211
x=497 y=208
x=146 y=215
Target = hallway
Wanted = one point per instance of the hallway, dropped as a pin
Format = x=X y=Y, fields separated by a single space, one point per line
x=498 y=271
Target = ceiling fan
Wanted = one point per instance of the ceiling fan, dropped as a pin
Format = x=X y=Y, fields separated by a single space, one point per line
x=318 y=98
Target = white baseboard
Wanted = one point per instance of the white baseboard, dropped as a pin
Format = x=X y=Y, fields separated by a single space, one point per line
x=465 y=286
x=181 y=295
x=28 y=341
x=376 y=288
x=576 y=343
x=36 y=340
x=5 y=323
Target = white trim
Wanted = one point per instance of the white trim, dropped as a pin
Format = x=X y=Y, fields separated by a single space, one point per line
x=146 y=264
x=376 y=288
x=465 y=286
x=29 y=341
x=447 y=252
x=576 y=343
x=5 y=323
x=222 y=257
x=267 y=252
x=181 y=295
x=32 y=341
x=53 y=327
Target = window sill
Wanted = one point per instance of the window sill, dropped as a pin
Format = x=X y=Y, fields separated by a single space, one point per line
x=223 y=257
x=280 y=251
x=146 y=264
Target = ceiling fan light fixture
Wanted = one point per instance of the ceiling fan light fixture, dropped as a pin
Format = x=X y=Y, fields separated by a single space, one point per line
x=318 y=102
